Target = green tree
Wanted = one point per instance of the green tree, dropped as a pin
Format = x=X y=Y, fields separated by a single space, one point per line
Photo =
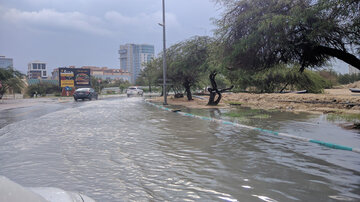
x=151 y=74
x=259 y=34
x=187 y=62
x=10 y=79
x=98 y=84
x=124 y=85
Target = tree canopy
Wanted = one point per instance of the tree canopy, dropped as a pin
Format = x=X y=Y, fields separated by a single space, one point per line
x=10 y=79
x=187 y=61
x=151 y=74
x=258 y=34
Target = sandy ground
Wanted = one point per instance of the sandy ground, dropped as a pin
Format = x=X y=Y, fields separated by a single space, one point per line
x=340 y=100
x=337 y=100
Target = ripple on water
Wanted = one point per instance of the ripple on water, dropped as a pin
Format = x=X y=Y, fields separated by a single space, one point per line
x=126 y=150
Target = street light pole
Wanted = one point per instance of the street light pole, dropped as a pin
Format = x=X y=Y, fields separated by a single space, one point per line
x=164 y=54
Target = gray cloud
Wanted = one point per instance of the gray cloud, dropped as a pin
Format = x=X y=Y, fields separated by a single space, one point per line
x=108 y=25
x=89 y=32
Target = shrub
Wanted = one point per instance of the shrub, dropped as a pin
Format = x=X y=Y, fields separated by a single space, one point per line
x=278 y=78
x=42 y=89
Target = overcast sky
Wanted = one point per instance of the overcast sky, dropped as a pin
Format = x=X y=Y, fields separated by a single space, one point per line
x=89 y=32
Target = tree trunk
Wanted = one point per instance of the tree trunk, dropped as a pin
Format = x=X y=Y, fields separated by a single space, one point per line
x=212 y=98
x=149 y=86
x=214 y=90
x=188 y=91
x=284 y=87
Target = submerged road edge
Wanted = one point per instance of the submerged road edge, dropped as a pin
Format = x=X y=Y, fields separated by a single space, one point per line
x=318 y=142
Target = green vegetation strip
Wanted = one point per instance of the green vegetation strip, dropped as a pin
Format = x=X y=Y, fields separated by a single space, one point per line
x=326 y=144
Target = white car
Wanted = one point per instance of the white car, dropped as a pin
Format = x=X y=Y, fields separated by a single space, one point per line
x=134 y=90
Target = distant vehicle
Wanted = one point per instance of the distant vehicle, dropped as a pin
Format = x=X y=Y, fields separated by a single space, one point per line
x=134 y=90
x=85 y=93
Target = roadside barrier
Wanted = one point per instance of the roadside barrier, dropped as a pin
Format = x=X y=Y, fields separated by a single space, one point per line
x=325 y=144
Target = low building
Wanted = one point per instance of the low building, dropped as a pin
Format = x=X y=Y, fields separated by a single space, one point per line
x=6 y=62
x=105 y=73
x=37 y=70
x=39 y=81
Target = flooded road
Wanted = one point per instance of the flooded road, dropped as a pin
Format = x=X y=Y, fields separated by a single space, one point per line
x=126 y=150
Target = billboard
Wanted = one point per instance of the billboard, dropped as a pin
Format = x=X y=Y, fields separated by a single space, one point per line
x=71 y=77
x=82 y=78
x=66 y=77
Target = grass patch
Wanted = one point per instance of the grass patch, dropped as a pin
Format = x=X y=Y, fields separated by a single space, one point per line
x=261 y=116
x=254 y=113
x=344 y=117
x=233 y=103
x=234 y=114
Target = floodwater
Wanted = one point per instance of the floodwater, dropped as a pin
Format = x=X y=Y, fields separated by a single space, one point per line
x=127 y=150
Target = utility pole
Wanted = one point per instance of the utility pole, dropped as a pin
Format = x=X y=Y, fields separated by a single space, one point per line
x=164 y=54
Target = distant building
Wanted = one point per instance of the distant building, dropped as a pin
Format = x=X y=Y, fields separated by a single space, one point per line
x=133 y=57
x=353 y=70
x=6 y=62
x=106 y=73
x=37 y=70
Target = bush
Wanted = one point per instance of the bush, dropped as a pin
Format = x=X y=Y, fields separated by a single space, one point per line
x=42 y=89
x=330 y=76
x=310 y=81
x=153 y=89
x=275 y=79
x=348 y=78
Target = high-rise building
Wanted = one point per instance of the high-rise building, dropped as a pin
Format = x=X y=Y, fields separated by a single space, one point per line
x=133 y=58
x=6 y=62
x=37 y=70
x=353 y=70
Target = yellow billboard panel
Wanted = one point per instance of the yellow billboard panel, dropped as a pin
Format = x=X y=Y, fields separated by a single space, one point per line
x=65 y=83
x=67 y=74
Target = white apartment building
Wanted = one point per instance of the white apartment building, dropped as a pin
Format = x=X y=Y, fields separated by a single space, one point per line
x=37 y=70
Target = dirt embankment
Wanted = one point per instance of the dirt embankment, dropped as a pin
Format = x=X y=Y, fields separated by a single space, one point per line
x=340 y=100
x=331 y=102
